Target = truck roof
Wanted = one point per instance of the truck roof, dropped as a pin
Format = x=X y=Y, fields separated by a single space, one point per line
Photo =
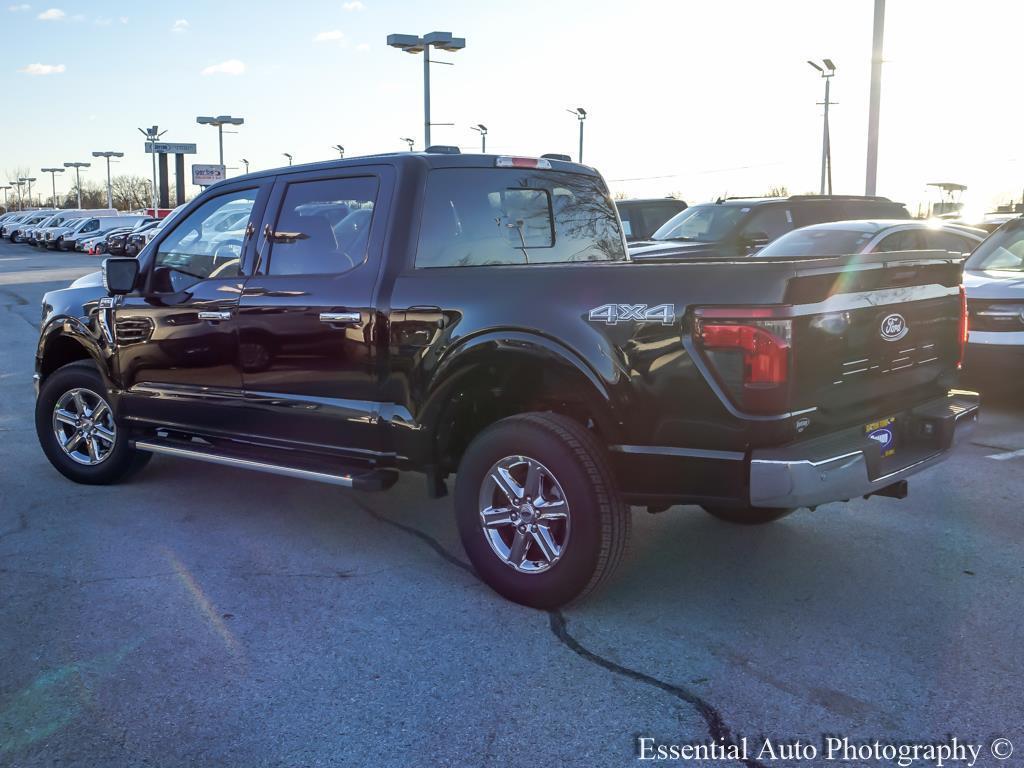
x=400 y=159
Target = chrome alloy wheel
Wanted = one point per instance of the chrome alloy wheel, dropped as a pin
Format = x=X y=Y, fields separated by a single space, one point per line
x=524 y=514
x=84 y=426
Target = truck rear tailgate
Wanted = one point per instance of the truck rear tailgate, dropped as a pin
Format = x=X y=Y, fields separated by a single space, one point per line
x=874 y=333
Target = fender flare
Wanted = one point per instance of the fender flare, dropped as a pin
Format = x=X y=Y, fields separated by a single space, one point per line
x=73 y=328
x=497 y=347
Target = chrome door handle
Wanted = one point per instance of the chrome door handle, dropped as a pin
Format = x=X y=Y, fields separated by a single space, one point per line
x=340 y=317
x=214 y=315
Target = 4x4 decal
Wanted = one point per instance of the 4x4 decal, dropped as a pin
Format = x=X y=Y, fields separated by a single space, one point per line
x=611 y=314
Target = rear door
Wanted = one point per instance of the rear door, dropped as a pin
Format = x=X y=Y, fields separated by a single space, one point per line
x=307 y=325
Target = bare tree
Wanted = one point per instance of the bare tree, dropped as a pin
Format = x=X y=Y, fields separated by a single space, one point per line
x=131 y=192
x=777 y=190
x=93 y=196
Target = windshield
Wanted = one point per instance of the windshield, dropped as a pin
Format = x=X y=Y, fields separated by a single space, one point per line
x=1003 y=250
x=813 y=241
x=701 y=223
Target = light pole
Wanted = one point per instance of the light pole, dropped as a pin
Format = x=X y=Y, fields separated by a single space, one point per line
x=410 y=142
x=288 y=156
x=827 y=70
x=53 y=181
x=5 y=187
x=246 y=163
x=153 y=135
x=875 y=99
x=110 y=191
x=28 y=181
x=220 y=121
x=341 y=150
x=413 y=44
x=482 y=130
x=78 y=177
x=18 y=185
x=581 y=115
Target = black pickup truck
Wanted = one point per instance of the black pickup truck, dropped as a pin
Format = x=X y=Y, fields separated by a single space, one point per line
x=479 y=315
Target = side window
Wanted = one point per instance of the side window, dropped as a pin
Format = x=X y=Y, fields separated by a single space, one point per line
x=323 y=226
x=907 y=240
x=947 y=241
x=92 y=226
x=478 y=217
x=769 y=221
x=196 y=249
x=626 y=215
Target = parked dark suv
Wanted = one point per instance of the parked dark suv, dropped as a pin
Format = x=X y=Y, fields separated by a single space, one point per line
x=740 y=226
x=642 y=218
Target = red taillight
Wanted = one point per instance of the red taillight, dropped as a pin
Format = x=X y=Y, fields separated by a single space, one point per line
x=963 y=327
x=750 y=355
x=507 y=161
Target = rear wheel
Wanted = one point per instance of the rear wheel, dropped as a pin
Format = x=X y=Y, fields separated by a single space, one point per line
x=749 y=515
x=537 y=510
x=77 y=430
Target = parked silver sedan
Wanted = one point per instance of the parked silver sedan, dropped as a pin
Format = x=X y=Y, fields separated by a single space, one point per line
x=839 y=238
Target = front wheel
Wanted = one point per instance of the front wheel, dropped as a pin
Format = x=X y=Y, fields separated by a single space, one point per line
x=77 y=430
x=537 y=510
x=749 y=515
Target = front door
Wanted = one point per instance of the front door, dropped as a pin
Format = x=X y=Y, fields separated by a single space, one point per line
x=177 y=337
x=308 y=332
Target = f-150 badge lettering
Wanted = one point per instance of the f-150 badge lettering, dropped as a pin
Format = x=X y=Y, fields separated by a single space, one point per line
x=611 y=314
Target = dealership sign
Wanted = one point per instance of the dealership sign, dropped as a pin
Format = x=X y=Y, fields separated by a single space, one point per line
x=205 y=175
x=170 y=148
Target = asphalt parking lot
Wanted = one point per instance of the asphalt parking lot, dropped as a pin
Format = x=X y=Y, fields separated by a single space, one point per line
x=200 y=615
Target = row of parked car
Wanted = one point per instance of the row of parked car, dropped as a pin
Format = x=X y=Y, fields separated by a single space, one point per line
x=816 y=225
x=93 y=231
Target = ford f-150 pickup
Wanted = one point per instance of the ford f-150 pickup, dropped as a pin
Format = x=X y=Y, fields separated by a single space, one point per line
x=480 y=316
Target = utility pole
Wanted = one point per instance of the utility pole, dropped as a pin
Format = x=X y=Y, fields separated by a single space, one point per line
x=152 y=135
x=5 y=187
x=828 y=71
x=875 y=100
x=18 y=185
x=28 y=182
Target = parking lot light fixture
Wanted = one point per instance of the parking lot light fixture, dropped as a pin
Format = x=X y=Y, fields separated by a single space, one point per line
x=78 y=177
x=220 y=121
x=410 y=142
x=28 y=181
x=288 y=156
x=18 y=185
x=53 y=181
x=482 y=130
x=246 y=164
x=110 y=190
x=827 y=69
x=153 y=134
x=341 y=150
x=414 y=44
x=581 y=115
x=5 y=187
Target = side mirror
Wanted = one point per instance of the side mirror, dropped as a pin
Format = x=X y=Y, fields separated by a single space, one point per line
x=119 y=275
x=754 y=241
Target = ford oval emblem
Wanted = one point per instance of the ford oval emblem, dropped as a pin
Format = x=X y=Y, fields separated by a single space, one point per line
x=894 y=327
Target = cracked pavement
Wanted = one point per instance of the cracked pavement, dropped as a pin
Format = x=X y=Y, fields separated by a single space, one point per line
x=199 y=615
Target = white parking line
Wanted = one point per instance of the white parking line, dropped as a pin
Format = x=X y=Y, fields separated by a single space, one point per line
x=1006 y=456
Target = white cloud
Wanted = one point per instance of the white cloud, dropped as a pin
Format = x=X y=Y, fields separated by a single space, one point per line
x=354 y=5
x=229 y=67
x=328 y=37
x=103 y=22
x=181 y=25
x=19 y=8
x=42 y=69
x=123 y=19
x=363 y=47
x=52 y=14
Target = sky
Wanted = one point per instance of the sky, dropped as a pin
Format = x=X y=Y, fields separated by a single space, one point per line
x=694 y=98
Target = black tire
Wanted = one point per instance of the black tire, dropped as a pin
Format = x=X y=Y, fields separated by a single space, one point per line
x=600 y=522
x=121 y=462
x=749 y=515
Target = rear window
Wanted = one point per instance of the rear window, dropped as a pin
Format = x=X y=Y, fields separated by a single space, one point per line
x=817 y=242
x=1003 y=250
x=480 y=217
